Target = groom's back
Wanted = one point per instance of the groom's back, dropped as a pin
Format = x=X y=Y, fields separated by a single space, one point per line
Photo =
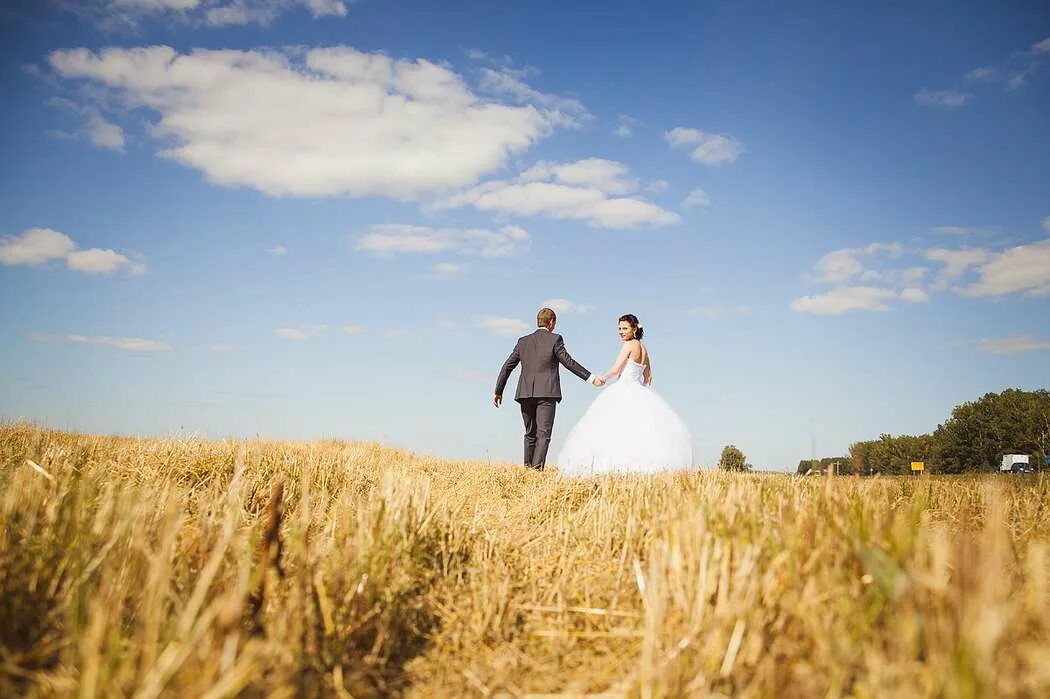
x=539 y=355
x=539 y=366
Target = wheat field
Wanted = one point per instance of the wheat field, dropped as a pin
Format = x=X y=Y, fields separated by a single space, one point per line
x=167 y=567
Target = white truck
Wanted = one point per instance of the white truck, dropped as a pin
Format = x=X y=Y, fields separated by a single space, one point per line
x=1015 y=463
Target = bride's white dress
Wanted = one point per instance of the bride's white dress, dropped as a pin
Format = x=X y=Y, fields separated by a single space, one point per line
x=628 y=428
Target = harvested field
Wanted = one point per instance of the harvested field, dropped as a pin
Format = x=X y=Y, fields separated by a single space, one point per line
x=161 y=567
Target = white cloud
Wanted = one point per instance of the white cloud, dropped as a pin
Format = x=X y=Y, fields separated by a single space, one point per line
x=96 y=129
x=1018 y=67
x=914 y=295
x=842 y=265
x=448 y=269
x=956 y=263
x=948 y=99
x=99 y=261
x=582 y=191
x=156 y=5
x=352 y=329
x=697 y=197
x=1016 y=82
x=394 y=239
x=509 y=82
x=837 y=266
x=35 y=246
x=105 y=134
x=277 y=250
x=314 y=123
x=856 y=287
x=844 y=299
x=657 y=186
x=240 y=12
x=505 y=327
x=625 y=126
x=129 y=14
x=1022 y=269
x=981 y=75
x=606 y=176
x=1013 y=345
x=327 y=8
x=129 y=344
x=893 y=249
x=564 y=202
x=913 y=274
x=907 y=276
x=302 y=332
x=706 y=147
x=561 y=306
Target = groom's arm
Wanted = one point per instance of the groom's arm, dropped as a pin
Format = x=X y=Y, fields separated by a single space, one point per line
x=569 y=363
x=504 y=373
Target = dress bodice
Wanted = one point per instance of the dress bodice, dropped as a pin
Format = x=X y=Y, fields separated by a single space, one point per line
x=633 y=372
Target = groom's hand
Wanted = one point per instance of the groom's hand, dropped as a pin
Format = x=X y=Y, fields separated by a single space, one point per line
x=496 y=400
x=599 y=381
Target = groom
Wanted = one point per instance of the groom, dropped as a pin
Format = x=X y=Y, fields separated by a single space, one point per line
x=539 y=386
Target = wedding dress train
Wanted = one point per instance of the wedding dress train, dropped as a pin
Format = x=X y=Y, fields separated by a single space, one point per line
x=628 y=428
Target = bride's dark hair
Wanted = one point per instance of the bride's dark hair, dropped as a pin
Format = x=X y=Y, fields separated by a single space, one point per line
x=632 y=320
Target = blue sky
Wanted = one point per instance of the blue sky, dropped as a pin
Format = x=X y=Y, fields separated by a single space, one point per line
x=307 y=218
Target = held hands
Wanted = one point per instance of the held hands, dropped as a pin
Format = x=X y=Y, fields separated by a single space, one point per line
x=598 y=382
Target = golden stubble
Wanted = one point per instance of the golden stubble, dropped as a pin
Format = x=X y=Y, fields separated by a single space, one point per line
x=168 y=567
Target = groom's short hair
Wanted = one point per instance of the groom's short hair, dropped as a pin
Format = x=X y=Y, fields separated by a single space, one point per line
x=544 y=317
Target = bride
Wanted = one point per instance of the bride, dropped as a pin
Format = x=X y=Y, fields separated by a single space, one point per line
x=628 y=428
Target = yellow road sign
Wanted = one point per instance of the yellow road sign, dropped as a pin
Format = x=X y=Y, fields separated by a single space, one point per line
x=918 y=465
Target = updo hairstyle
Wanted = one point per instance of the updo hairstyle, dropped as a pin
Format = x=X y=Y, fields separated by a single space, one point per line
x=632 y=320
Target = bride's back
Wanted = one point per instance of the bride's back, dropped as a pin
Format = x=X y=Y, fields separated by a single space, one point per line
x=639 y=353
x=637 y=367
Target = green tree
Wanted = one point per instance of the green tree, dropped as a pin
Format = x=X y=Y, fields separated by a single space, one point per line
x=893 y=455
x=978 y=433
x=974 y=438
x=733 y=460
x=842 y=465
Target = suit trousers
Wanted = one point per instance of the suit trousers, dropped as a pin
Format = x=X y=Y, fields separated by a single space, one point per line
x=538 y=416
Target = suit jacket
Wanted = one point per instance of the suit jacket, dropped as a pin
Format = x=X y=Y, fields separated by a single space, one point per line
x=539 y=355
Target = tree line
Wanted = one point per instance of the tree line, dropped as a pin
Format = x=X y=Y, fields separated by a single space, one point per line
x=973 y=438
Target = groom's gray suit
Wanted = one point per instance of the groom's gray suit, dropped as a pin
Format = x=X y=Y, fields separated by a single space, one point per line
x=539 y=387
